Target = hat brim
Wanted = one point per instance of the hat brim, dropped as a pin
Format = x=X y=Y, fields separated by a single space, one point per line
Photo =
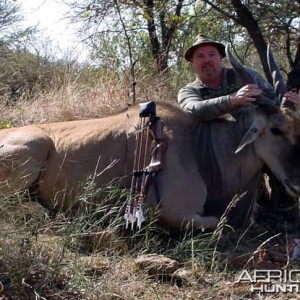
x=189 y=52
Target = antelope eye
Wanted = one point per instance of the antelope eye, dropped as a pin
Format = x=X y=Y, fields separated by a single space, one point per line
x=276 y=131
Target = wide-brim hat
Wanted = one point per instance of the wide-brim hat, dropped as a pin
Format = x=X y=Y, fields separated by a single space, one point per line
x=203 y=40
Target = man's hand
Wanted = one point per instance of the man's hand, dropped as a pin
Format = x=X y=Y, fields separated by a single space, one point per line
x=247 y=94
x=293 y=97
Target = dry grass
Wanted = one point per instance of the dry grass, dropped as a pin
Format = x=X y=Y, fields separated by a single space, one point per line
x=66 y=104
x=38 y=259
x=73 y=102
x=91 y=256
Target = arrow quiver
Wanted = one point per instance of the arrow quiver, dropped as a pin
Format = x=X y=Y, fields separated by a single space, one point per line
x=149 y=126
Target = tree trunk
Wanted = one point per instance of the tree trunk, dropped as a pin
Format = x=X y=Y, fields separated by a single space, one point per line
x=160 y=50
x=157 y=53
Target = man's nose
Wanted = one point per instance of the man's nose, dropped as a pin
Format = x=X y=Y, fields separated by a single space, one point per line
x=206 y=58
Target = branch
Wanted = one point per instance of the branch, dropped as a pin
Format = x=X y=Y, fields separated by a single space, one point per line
x=221 y=11
x=132 y=63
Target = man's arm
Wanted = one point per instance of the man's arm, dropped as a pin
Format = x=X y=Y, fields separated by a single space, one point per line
x=192 y=102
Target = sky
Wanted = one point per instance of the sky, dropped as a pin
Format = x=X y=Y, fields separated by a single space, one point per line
x=49 y=15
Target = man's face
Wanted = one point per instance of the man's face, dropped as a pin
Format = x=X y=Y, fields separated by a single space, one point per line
x=206 y=61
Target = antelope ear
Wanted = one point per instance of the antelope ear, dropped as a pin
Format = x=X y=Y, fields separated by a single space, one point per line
x=248 y=138
x=253 y=132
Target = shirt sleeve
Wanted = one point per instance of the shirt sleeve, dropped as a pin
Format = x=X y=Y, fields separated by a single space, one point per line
x=190 y=99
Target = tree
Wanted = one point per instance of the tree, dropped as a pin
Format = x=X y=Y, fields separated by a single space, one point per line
x=159 y=31
x=150 y=23
x=10 y=19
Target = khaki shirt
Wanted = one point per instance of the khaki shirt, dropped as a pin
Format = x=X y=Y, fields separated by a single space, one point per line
x=210 y=103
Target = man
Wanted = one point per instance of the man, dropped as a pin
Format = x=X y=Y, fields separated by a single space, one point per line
x=217 y=89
